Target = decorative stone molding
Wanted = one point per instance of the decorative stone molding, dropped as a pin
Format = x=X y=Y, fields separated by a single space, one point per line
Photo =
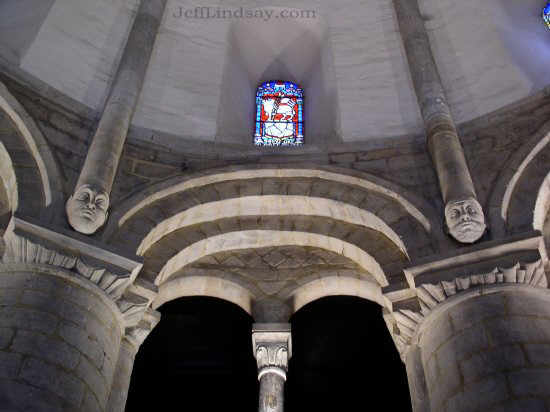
x=432 y=295
x=30 y=243
x=272 y=346
x=23 y=250
x=138 y=333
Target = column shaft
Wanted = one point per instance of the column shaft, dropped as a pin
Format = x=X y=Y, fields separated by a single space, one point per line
x=417 y=380
x=87 y=208
x=59 y=338
x=443 y=141
x=104 y=154
x=123 y=374
x=455 y=181
x=272 y=389
x=489 y=352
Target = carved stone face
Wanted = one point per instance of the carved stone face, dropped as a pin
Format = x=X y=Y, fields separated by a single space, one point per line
x=87 y=209
x=465 y=220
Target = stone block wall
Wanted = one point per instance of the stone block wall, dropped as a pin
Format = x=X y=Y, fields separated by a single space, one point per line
x=488 y=142
x=490 y=353
x=59 y=343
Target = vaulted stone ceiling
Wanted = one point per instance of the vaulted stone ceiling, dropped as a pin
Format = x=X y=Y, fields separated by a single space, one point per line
x=349 y=58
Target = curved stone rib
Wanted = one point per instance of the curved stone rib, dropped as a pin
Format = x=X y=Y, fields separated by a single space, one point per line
x=276 y=173
x=268 y=206
x=267 y=238
x=50 y=173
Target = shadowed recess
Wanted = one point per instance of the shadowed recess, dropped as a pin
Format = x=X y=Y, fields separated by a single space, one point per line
x=344 y=359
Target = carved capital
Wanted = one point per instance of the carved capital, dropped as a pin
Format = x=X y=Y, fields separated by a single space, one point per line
x=31 y=243
x=272 y=346
x=407 y=321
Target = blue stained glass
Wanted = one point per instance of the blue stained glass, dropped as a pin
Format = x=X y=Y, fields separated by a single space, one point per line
x=279 y=114
x=546 y=15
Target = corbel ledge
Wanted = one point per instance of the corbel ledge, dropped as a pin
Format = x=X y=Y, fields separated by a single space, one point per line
x=29 y=242
x=432 y=295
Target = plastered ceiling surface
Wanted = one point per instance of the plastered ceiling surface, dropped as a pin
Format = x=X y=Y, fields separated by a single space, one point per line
x=347 y=55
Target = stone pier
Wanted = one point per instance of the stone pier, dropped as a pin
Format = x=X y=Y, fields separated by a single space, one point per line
x=64 y=310
x=477 y=337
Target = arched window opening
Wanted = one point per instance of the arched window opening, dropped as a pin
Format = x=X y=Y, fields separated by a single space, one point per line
x=279 y=114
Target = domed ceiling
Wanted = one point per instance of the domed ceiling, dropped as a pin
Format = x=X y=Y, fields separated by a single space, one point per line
x=346 y=54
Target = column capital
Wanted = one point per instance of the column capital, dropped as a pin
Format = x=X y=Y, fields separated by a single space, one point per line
x=32 y=243
x=272 y=347
x=514 y=262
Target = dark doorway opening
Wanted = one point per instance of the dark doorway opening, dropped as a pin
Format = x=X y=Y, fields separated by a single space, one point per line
x=198 y=359
x=344 y=359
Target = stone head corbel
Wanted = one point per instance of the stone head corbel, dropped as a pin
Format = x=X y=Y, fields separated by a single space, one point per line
x=87 y=209
x=465 y=220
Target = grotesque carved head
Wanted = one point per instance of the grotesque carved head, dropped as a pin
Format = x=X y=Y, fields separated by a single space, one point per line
x=87 y=209
x=465 y=220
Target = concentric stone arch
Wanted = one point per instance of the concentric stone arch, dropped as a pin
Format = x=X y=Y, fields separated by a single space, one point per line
x=271 y=205
x=50 y=174
x=269 y=238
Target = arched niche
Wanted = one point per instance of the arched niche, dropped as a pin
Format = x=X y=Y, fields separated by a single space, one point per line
x=289 y=49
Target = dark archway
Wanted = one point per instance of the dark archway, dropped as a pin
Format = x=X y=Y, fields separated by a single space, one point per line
x=344 y=359
x=199 y=358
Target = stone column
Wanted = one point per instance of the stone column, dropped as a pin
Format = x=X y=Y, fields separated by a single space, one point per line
x=272 y=346
x=61 y=320
x=463 y=213
x=129 y=347
x=478 y=342
x=87 y=207
x=417 y=380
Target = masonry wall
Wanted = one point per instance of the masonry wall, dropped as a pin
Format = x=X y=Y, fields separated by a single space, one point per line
x=488 y=142
x=59 y=343
x=490 y=353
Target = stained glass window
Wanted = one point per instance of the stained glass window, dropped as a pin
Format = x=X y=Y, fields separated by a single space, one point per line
x=279 y=114
x=546 y=15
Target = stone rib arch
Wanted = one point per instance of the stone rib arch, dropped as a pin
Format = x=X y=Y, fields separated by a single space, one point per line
x=9 y=179
x=51 y=181
x=517 y=179
x=270 y=205
x=414 y=228
x=204 y=286
x=419 y=209
x=269 y=238
x=337 y=286
x=542 y=204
